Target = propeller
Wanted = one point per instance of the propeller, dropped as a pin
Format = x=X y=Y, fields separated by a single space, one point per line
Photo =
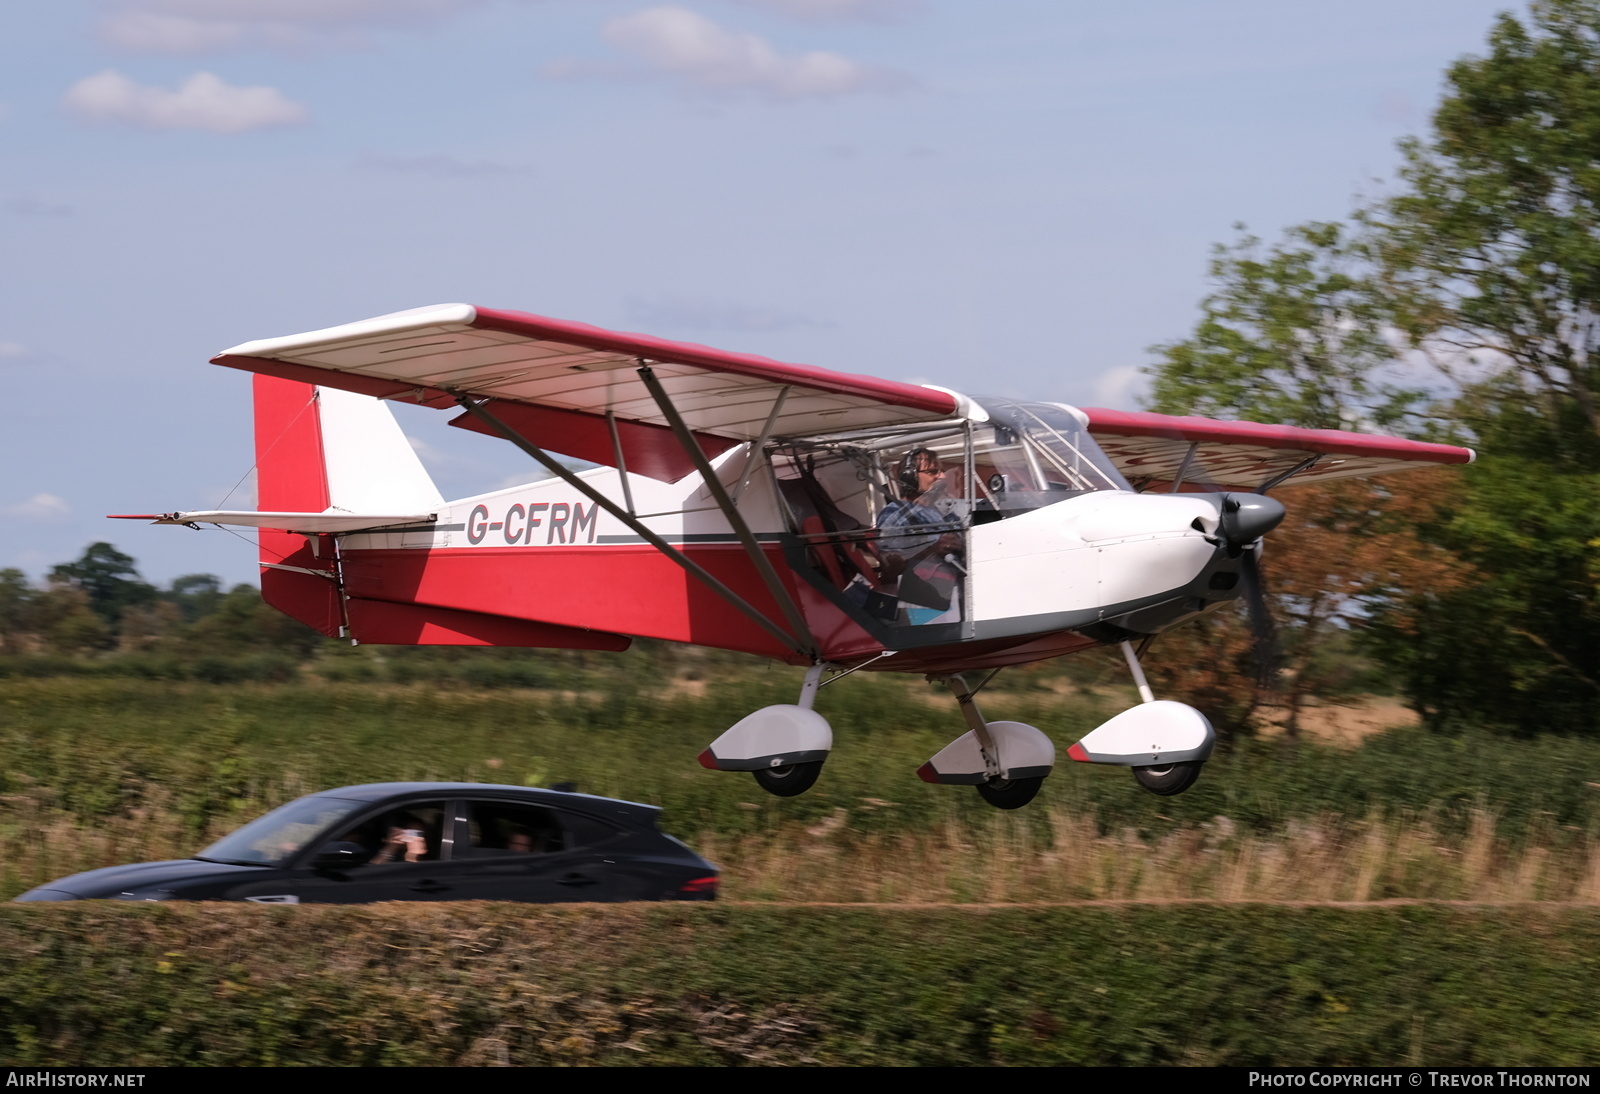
x=1243 y=520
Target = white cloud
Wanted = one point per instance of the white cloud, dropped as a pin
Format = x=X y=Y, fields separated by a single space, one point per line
x=210 y=26
x=692 y=48
x=1118 y=386
x=40 y=509
x=12 y=350
x=819 y=11
x=204 y=101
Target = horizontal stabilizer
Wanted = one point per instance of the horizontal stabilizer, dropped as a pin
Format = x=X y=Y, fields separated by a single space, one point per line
x=313 y=523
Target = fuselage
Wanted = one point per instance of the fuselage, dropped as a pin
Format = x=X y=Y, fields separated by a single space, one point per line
x=1002 y=585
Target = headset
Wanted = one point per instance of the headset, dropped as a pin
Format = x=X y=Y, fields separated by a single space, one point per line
x=910 y=486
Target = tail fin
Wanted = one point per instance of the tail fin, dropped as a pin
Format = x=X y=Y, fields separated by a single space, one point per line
x=320 y=449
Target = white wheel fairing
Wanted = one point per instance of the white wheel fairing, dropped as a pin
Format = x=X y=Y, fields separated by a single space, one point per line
x=771 y=737
x=1024 y=753
x=1158 y=733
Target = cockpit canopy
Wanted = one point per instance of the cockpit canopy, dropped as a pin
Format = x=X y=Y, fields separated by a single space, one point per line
x=1039 y=453
x=883 y=513
x=1010 y=458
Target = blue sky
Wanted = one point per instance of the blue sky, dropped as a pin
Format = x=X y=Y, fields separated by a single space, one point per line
x=1015 y=197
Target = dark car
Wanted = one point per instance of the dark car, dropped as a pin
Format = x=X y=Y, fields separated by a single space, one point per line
x=422 y=841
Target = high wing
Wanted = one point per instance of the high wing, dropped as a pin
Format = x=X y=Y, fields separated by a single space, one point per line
x=1156 y=451
x=579 y=389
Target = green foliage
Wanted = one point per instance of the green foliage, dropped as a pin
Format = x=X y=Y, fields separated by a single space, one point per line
x=1518 y=647
x=1491 y=252
x=140 y=985
x=1486 y=260
x=195 y=595
x=1292 y=335
x=108 y=578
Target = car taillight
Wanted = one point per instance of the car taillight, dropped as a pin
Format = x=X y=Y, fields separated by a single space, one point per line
x=700 y=886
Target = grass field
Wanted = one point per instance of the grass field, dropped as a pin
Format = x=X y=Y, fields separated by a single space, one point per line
x=99 y=770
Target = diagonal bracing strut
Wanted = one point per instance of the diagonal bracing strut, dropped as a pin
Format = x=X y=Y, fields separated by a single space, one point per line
x=763 y=565
x=545 y=460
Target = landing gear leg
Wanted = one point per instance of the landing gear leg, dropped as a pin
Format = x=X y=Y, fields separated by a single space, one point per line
x=1006 y=761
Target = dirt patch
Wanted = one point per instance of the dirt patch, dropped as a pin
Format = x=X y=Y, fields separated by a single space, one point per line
x=1346 y=724
x=694 y=689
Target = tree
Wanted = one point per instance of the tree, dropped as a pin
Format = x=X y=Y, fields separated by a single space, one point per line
x=1485 y=261
x=108 y=578
x=1490 y=258
x=195 y=595
x=1294 y=333
x=16 y=604
x=1518 y=646
x=1491 y=253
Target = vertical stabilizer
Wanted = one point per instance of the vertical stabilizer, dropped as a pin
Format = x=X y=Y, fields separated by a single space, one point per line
x=369 y=465
x=292 y=477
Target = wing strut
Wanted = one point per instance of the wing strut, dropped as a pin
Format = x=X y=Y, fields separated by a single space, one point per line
x=1304 y=465
x=549 y=464
x=763 y=565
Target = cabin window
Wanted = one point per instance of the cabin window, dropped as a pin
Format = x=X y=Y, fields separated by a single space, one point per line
x=1030 y=455
x=884 y=514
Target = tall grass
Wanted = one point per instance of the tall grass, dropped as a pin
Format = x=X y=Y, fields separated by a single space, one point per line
x=1059 y=856
x=1052 y=855
x=95 y=771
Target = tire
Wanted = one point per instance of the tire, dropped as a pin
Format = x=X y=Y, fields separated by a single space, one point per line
x=1010 y=793
x=790 y=779
x=1168 y=779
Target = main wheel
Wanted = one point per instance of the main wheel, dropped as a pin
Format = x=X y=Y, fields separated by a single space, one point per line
x=789 y=779
x=1010 y=793
x=1168 y=779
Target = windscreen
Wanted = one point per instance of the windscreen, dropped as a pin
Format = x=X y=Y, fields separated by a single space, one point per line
x=269 y=840
x=1034 y=454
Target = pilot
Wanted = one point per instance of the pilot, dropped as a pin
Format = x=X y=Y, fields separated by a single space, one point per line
x=928 y=563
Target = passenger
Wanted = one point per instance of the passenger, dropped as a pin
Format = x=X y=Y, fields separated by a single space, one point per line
x=407 y=841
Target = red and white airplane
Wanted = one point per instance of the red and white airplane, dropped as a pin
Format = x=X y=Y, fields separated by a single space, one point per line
x=831 y=521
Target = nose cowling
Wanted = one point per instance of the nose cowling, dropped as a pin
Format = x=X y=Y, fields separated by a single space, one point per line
x=1245 y=518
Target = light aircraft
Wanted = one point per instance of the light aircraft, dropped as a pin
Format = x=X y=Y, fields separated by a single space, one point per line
x=832 y=521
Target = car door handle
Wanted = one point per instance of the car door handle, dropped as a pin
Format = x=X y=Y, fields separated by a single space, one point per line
x=577 y=879
x=430 y=886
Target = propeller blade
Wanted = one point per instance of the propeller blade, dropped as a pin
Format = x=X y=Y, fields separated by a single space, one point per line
x=1264 y=646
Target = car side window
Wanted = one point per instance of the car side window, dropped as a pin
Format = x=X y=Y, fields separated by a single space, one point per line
x=508 y=828
x=583 y=830
x=408 y=833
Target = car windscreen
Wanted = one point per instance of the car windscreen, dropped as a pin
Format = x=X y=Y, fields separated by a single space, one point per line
x=280 y=834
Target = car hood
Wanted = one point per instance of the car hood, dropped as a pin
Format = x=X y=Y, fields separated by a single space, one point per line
x=114 y=880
